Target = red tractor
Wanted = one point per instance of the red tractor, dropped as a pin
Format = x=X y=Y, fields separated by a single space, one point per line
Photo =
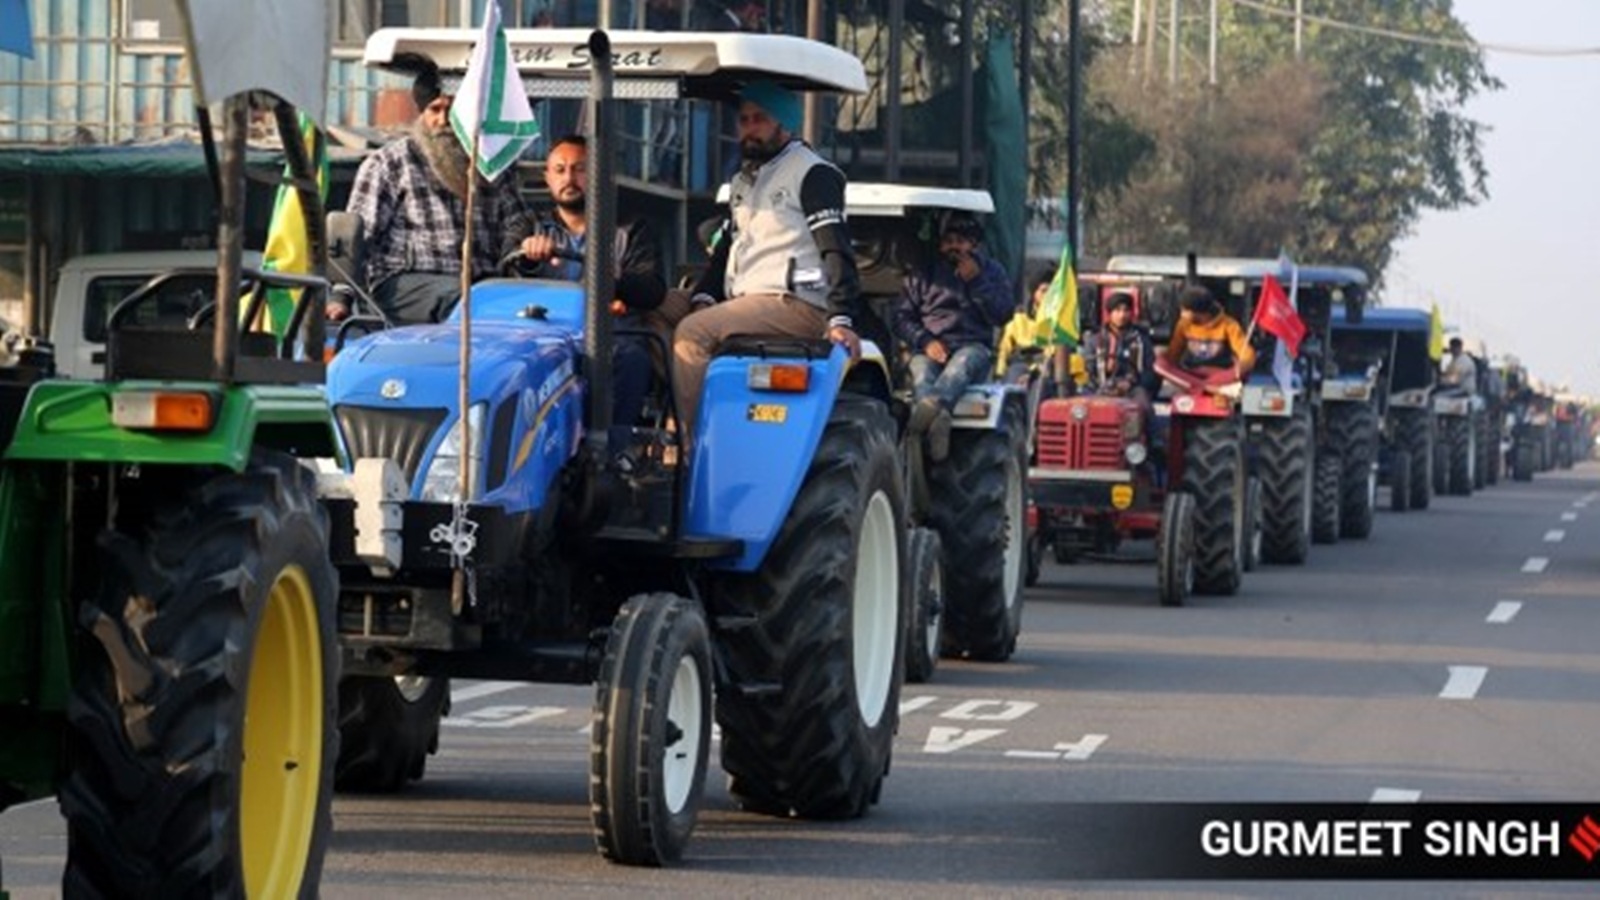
x=1103 y=474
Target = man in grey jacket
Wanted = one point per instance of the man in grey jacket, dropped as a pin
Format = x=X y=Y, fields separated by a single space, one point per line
x=784 y=264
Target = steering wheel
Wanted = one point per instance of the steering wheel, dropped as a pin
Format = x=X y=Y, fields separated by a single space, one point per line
x=511 y=265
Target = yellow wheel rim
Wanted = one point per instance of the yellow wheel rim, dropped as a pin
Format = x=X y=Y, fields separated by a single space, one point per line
x=282 y=767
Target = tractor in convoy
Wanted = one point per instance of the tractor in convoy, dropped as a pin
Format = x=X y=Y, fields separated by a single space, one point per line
x=1103 y=471
x=760 y=563
x=1392 y=344
x=1459 y=409
x=1350 y=413
x=168 y=657
x=966 y=547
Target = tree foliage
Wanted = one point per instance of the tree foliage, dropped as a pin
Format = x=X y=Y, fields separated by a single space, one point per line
x=1333 y=155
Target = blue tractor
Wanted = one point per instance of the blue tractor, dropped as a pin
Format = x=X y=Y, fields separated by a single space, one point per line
x=761 y=563
x=1350 y=412
x=1393 y=345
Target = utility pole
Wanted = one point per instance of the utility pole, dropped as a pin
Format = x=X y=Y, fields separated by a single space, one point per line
x=1074 y=121
x=1211 y=52
x=1299 y=26
x=1150 y=43
x=1172 y=45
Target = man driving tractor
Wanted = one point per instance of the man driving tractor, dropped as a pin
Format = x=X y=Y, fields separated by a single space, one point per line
x=1207 y=337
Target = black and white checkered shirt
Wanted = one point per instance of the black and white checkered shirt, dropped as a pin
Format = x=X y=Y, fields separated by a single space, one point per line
x=412 y=223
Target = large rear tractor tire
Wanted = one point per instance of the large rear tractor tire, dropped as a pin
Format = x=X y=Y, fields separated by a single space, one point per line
x=1327 y=504
x=650 y=736
x=1253 y=529
x=1522 y=462
x=980 y=514
x=926 y=570
x=1214 y=475
x=1355 y=431
x=1414 y=436
x=1480 y=450
x=1458 y=441
x=1175 y=550
x=203 y=724
x=812 y=646
x=1400 y=481
x=387 y=729
x=1284 y=461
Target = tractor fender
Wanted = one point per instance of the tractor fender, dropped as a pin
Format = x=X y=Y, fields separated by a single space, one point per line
x=753 y=446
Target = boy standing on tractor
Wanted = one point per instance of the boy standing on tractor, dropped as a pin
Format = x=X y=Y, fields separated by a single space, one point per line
x=1207 y=337
x=947 y=314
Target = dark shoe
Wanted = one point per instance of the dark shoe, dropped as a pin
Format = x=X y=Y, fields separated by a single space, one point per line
x=923 y=414
x=939 y=436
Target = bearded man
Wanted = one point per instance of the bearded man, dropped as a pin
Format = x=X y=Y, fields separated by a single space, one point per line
x=783 y=263
x=411 y=197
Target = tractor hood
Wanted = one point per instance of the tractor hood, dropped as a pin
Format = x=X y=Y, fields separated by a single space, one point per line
x=420 y=365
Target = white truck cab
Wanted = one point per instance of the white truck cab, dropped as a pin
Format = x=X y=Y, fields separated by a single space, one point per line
x=89 y=287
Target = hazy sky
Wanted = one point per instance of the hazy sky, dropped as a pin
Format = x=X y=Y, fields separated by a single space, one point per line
x=1522 y=269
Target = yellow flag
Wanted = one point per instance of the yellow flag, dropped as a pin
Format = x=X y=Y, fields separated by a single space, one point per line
x=1436 y=334
x=1058 y=315
x=288 y=248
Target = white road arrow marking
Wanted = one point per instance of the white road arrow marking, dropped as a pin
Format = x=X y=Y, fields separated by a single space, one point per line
x=945 y=739
x=915 y=703
x=479 y=691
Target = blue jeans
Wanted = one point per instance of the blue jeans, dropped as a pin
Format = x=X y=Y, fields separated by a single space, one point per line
x=968 y=365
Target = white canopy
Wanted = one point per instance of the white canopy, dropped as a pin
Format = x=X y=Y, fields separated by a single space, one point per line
x=710 y=63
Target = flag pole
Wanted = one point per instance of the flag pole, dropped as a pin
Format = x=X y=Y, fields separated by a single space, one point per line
x=464 y=397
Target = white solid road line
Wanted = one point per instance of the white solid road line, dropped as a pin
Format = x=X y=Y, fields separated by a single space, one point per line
x=1554 y=536
x=486 y=689
x=1536 y=564
x=1395 y=795
x=1569 y=517
x=1504 y=611
x=1463 y=682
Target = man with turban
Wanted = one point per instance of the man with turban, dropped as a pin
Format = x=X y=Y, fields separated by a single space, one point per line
x=411 y=197
x=784 y=264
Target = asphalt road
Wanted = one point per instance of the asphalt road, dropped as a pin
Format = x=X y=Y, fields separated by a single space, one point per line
x=1452 y=657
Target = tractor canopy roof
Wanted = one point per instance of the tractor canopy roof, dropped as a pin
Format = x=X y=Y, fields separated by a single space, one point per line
x=1331 y=276
x=1205 y=267
x=236 y=47
x=1387 y=319
x=711 y=65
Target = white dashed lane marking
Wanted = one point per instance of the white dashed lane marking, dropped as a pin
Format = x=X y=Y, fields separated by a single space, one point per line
x=1463 y=682
x=1504 y=611
x=1569 y=517
x=1536 y=564
x=1395 y=795
x=1554 y=536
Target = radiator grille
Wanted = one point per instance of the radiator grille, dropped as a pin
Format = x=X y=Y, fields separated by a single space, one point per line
x=398 y=434
x=1080 y=445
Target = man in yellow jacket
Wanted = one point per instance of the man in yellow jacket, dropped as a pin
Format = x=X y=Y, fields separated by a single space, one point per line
x=1207 y=337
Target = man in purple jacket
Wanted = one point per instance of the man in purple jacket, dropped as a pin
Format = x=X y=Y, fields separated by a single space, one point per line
x=947 y=316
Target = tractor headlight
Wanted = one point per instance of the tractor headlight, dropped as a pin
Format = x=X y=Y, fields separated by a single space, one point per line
x=1135 y=453
x=442 y=483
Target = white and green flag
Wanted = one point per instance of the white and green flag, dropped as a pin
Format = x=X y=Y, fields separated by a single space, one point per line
x=492 y=109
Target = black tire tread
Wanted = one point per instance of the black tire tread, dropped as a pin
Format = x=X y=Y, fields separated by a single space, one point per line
x=1213 y=474
x=1354 y=430
x=1283 y=461
x=151 y=802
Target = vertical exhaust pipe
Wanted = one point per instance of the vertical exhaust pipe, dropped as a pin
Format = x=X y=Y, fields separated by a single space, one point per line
x=600 y=245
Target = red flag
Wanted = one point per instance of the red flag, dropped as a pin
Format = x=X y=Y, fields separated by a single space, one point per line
x=1276 y=316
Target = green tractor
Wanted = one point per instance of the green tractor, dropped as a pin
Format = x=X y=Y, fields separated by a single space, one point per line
x=168 y=655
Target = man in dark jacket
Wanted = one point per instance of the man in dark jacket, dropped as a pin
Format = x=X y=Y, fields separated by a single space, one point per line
x=1119 y=356
x=947 y=316
x=640 y=286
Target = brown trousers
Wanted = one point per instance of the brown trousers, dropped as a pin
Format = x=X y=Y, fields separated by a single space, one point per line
x=699 y=335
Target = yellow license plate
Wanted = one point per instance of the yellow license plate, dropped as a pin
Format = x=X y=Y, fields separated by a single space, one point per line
x=768 y=413
x=1122 y=495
